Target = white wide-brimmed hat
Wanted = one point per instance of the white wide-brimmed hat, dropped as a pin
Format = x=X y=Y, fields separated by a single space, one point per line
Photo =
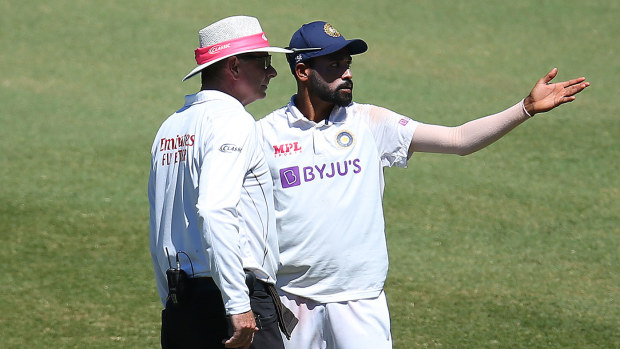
x=228 y=37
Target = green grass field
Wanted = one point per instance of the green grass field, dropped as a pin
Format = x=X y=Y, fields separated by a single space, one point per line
x=516 y=246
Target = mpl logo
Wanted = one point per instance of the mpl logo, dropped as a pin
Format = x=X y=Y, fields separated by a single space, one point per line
x=287 y=149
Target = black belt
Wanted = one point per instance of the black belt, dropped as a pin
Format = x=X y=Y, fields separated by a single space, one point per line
x=286 y=319
x=207 y=283
x=202 y=283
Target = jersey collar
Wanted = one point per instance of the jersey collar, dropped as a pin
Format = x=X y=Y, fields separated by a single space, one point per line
x=205 y=95
x=296 y=118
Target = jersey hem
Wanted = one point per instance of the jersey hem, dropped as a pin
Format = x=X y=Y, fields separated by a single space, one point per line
x=335 y=298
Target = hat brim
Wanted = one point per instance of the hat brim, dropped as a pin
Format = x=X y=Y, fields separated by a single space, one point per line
x=354 y=46
x=199 y=68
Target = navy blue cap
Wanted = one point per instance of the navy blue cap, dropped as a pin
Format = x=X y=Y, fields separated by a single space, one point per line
x=319 y=39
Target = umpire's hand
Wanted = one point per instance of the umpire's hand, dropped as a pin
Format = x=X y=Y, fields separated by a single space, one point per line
x=244 y=326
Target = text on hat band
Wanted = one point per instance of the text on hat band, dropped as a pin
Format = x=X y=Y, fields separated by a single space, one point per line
x=230 y=47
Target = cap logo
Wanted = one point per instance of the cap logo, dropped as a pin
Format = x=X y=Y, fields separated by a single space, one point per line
x=330 y=30
x=298 y=58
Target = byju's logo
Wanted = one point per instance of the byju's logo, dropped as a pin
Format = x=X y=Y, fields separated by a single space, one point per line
x=289 y=177
x=293 y=177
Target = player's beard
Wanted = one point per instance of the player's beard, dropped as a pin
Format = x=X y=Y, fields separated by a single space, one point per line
x=321 y=89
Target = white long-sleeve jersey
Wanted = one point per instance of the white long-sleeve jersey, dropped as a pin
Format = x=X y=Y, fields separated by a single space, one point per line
x=328 y=180
x=211 y=196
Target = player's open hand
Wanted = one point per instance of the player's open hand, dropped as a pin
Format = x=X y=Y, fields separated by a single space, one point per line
x=244 y=327
x=546 y=95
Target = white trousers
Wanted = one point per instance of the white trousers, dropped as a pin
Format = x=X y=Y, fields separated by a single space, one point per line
x=358 y=324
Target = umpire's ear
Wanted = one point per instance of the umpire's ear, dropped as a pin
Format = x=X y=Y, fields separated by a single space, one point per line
x=232 y=67
x=302 y=71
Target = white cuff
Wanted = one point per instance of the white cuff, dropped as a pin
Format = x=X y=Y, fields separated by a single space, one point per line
x=525 y=110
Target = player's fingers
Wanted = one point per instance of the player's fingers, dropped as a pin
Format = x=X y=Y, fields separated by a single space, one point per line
x=566 y=99
x=574 y=89
x=550 y=75
x=573 y=81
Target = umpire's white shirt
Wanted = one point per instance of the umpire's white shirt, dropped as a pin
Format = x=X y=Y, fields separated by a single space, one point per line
x=328 y=180
x=211 y=197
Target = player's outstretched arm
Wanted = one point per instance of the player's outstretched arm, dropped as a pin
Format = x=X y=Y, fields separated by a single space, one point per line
x=546 y=95
x=479 y=133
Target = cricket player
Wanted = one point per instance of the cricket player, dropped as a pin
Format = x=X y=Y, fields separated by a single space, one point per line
x=326 y=155
x=212 y=227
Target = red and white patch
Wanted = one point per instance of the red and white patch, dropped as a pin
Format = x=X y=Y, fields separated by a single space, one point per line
x=286 y=149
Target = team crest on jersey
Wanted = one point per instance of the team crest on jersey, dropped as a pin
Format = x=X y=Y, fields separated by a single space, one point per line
x=345 y=139
x=330 y=30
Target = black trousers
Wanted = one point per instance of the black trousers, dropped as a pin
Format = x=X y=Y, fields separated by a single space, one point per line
x=201 y=322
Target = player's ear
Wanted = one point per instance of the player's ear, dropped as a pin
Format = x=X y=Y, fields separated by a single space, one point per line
x=302 y=71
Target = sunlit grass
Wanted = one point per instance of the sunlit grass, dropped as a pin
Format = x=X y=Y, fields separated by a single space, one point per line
x=513 y=247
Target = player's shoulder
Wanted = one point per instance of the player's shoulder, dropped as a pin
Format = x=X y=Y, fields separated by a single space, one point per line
x=378 y=114
x=272 y=122
x=361 y=112
x=274 y=117
x=366 y=109
x=371 y=109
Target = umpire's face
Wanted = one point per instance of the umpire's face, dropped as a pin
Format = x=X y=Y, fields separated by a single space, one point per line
x=255 y=72
x=330 y=78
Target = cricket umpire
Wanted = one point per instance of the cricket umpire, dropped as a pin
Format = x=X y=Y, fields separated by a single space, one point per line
x=212 y=228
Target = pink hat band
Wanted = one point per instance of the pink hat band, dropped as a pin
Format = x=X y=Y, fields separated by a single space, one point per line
x=230 y=47
x=228 y=37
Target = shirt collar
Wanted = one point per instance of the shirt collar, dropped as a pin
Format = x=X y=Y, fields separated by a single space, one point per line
x=205 y=95
x=295 y=117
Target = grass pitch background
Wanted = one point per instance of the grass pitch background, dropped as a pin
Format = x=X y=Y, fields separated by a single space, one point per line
x=515 y=246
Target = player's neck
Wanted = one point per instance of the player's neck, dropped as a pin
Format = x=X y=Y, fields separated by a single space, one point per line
x=313 y=108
